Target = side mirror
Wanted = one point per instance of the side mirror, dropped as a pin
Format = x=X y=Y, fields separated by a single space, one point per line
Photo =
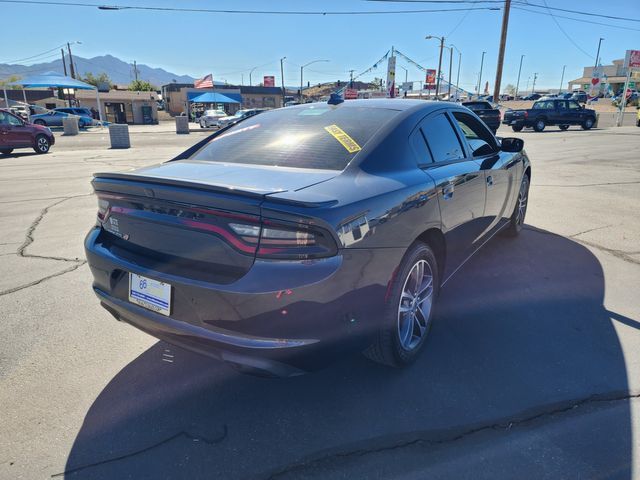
x=511 y=144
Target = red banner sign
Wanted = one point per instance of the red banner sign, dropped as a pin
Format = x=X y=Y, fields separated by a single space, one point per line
x=350 y=94
x=431 y=78
x=269 y=81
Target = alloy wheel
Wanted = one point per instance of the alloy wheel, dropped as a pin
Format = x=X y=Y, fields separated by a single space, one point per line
x=43 y=144
x=522 y=203
x=414 y=309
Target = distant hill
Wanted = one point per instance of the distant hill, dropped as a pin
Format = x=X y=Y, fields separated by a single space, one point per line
x=120 y=72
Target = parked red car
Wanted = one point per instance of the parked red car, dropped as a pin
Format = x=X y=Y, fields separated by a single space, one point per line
x=16 y=133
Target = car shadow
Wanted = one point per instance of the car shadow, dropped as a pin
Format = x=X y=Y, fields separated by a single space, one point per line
x=520 y=331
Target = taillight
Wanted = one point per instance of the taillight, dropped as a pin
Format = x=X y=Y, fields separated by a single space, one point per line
x=284 y=241
x=526 y=114
x=242 y=231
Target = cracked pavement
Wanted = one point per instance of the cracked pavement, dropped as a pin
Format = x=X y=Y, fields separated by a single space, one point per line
x=532 y=368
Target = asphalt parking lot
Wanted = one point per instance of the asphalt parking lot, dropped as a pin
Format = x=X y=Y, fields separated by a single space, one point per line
x=532 y=369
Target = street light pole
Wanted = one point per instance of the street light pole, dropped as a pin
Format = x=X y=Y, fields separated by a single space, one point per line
x=562 y=79
x=250 y=72
x=480 y=76
x=428 y=37
x=282 y=78
x=450 y=67
x=533 y=87
x=597 y=55
x=458 y=76
x=515 y=97
x=301 y=69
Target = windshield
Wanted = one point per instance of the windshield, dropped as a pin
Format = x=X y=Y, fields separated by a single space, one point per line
x=319 y=136
x=215 y=113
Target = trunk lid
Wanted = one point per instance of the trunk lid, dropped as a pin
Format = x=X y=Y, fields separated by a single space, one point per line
x=190 y=219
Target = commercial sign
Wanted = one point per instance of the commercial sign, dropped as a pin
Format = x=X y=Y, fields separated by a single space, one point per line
x=391 y=77
x=632 y=59
x=596 y=83
x=406 y=86
x=350 y=94
x=269 y=81
x=430 y=79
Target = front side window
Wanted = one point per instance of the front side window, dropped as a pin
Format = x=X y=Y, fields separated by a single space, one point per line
x=574 y=105
x=478 y=137
x=318 y=136
x=442 y=139
x=543 y=105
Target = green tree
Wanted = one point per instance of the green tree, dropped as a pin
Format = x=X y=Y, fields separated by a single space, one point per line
x=4 y=83
x=91 y=79
x=375 y=83
x=141 y=86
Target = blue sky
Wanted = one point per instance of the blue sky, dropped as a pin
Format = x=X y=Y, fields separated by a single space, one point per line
x=227 y=44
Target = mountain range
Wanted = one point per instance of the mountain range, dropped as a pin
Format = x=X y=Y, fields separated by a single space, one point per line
x=119 y=72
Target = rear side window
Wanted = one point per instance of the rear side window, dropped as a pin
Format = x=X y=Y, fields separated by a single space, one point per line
x=317 y=136
x=442 y=139
x=420 y=149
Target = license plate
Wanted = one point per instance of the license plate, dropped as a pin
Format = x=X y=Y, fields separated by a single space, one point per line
x=150 y=294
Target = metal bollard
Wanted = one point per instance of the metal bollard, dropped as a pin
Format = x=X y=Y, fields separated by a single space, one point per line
x=119 y=136
x=70 y=125
x=182 y=125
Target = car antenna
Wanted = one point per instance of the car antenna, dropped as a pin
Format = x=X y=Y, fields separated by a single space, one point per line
x=335 y=99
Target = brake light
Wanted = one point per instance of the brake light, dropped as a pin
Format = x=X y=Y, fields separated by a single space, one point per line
x=243 y=232
x=284 y=241
x=526 y=114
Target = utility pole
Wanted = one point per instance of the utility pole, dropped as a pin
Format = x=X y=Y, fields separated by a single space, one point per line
x=503 y=42
x=250 y=72
x=135 y=70
x=533 y=87
x=64 y=64
x=351 y=78
x=480 y=76
x=515 y=97
x=562 y=79
x=458 y=77
x=282 y=78
x=71 y=66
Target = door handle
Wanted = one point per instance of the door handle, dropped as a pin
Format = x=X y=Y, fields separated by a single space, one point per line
x=489 y=181
x=447 y=191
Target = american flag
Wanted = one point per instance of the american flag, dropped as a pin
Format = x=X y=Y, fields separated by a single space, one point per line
x=204 y=82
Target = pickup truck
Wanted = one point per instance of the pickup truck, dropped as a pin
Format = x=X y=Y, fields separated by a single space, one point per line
x=487 y=113
x=550 y=111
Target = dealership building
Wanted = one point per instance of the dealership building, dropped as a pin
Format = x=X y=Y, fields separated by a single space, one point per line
x=176 y=97
x=615 y=75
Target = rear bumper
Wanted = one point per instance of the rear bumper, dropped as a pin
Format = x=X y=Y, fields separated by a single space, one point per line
x=281 y=318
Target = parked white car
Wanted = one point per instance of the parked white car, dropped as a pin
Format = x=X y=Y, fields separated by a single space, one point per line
x=210 y=118
x=239 y=115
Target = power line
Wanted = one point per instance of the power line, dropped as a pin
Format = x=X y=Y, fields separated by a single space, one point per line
x=34 y=56
x=566 y=34
x=521 y=2
x=577 y=19
x=248 y=12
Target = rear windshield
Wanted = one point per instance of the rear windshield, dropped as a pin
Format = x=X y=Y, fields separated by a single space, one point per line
x=317 y=136
x=478 y=105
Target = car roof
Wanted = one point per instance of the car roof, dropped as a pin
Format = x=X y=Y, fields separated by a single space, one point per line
x=399 y=104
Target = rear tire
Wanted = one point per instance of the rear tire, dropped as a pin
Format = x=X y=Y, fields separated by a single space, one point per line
x=520 y=210
x=563 y=127
x=539 y=125
x=517 y=128
x=39 y=122
x=407 y=317
x=42 y=144
x=6 y=151
x=588 y=123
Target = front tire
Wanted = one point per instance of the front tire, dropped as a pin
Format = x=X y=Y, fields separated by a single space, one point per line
x=519 y=212
x=42 y=144
x=408 y=314
x=588 y=123
x=517 y=128
x=539 y=125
